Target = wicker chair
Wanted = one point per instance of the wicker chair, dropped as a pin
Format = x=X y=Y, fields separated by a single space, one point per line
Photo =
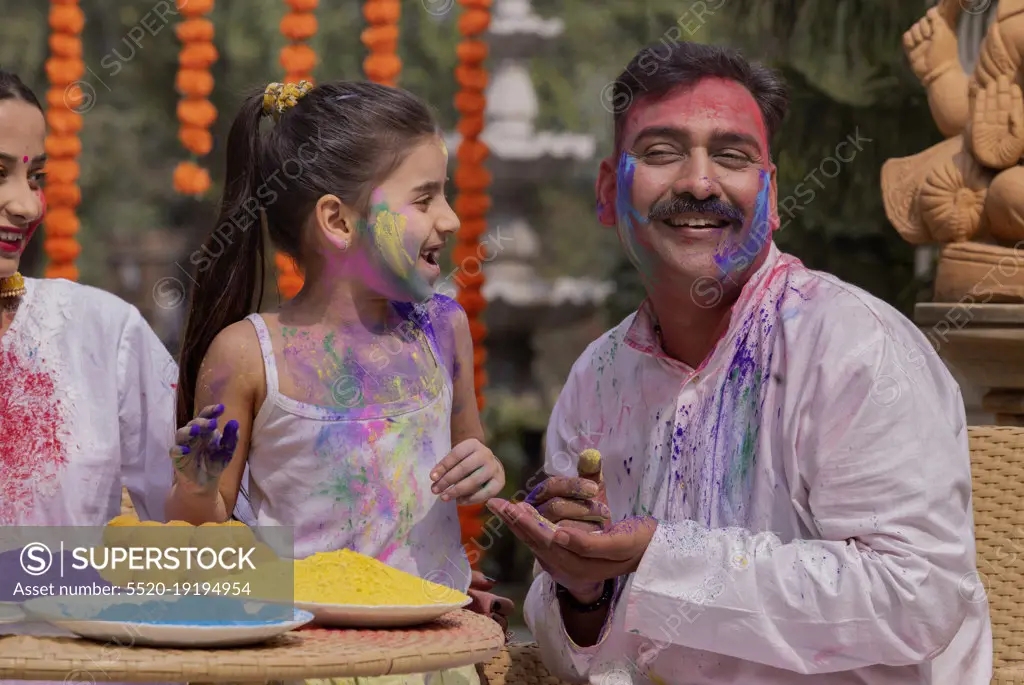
x=517 y=664
x=997 y=467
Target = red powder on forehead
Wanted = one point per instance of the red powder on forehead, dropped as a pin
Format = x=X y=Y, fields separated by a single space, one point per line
x=726 y=103
x=32 y=449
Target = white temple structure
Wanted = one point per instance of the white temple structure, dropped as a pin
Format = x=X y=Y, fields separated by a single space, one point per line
x=519 y=300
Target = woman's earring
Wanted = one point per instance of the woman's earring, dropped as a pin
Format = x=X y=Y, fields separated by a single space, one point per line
x=343 y=245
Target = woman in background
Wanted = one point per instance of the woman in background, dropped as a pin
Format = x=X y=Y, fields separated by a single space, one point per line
x=86 y=387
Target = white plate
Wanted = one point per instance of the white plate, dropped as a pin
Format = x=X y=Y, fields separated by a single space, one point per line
x=73 y=614
x=357 y=616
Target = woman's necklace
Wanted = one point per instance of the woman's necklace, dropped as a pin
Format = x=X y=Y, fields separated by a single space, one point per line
x=11 y=289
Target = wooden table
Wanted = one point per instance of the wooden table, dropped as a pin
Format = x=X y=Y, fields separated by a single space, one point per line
x=461 y=638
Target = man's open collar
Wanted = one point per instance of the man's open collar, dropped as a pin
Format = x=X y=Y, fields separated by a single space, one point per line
x=643 y=336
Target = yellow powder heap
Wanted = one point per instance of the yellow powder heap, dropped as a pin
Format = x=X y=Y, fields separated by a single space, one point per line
x=341 y=577
x=347 y=577
x=590 y=462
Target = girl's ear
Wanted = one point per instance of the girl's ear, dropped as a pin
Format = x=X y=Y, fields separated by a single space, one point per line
x=336 y=221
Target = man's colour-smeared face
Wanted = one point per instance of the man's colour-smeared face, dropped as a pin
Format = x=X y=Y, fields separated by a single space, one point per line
x=692 y=189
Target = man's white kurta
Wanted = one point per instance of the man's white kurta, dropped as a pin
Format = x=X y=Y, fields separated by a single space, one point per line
x=812 y=485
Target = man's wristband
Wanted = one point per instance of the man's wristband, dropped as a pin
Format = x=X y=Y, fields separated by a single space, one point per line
x=606 y=597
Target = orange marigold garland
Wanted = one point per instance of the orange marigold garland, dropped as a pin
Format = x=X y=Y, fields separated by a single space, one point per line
x=65 y=100
x=382 y=65
x=195 y=83
x=298 y=26
x=471 y=204
x=471 y=176
x=298 y=60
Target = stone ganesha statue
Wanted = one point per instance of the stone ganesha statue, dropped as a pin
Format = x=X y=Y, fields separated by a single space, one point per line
x=970 y=186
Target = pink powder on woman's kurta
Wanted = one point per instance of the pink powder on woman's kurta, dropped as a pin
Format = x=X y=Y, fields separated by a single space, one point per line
x=32 y=448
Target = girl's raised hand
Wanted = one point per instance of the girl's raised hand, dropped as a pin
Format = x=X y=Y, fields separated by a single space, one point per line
x=202 y=452
x=470 y=474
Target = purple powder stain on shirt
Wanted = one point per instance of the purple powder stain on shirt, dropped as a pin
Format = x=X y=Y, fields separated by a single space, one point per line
x=436 y=319
x=743 y=395
x=723 y=436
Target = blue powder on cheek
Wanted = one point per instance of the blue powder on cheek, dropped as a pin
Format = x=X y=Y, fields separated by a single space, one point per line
x=195 y=610
x=627 y=214
x=624 y=189
x=737 y=253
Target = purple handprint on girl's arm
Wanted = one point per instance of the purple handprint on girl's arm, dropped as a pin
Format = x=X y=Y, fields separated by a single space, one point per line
x=202 y=452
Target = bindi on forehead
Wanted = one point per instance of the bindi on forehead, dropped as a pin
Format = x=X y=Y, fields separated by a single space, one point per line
x=720 y=103
x=12 y=158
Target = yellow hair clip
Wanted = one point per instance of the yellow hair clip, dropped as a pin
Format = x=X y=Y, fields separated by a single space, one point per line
x=279 y=97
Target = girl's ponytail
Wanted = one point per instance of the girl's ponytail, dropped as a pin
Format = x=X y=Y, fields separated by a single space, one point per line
x=229 y=265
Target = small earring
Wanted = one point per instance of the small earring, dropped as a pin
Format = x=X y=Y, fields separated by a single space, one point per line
x=344 y=245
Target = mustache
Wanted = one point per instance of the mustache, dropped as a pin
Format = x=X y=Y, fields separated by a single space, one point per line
x=682 y=204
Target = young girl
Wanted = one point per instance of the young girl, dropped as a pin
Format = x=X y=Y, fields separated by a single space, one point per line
x=344 y=403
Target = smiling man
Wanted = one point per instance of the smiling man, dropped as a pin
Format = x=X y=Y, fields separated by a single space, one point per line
x=785 y=458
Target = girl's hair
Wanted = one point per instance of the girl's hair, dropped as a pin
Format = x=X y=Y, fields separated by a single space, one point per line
x=12 y=88
x=341 y=138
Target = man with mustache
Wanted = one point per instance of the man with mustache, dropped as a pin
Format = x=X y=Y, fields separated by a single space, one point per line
x=785 y=494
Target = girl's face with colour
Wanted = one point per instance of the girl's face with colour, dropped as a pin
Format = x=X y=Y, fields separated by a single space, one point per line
x=408 y=225
x=22 y=135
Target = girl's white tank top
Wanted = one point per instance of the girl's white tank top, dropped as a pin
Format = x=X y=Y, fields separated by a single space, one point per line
x=356 y=478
